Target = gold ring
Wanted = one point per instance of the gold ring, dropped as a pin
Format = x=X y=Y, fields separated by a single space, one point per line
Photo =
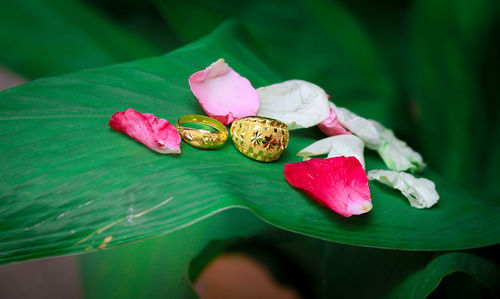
x=201 y=138
x=259 y=138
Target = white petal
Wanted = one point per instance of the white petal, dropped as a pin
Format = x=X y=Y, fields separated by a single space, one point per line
x=297 y=103
x=359 y=126
x=420 y=192
x=336 y=146
x=397 y=155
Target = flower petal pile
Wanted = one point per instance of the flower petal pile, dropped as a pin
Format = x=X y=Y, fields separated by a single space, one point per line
x=397 y=155
x=297 y=103
x=339 y=183
x=331 y=126
x=360 y=126
x=336 y=146
x=157 y=134
x=223 y=93
x=420 y=192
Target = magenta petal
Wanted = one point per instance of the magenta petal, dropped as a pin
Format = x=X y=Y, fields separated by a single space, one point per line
x=157 y=134
x=339 y=183
x=223 y=93
x=331 y=125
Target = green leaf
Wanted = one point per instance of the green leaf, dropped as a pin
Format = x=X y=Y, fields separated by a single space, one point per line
x=42 y=38
x=405 y=274
x=427 y=279
x=70 y=184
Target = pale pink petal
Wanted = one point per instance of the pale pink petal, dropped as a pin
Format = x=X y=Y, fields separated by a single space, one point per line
x=223 y=93
x=331 y=125
x=157 y=134
x=339 y=183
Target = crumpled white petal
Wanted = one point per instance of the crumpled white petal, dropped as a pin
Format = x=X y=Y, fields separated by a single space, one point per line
x=336 y=146
x=420 y=192
x=360 y=126
x=397 y=155
x=297 y=103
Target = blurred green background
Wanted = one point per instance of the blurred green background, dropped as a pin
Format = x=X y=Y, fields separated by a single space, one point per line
x=429 y=68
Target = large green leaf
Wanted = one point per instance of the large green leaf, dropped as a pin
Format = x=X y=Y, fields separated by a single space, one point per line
x=42 y=38
x=70 y=184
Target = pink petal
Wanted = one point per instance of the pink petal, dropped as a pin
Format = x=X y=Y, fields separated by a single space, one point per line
x=331 y=125
x=223 y=93
x=339 y=183
x=157 y=134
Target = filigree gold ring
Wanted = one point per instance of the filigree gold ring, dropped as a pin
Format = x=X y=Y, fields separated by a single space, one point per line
x=200 y=137
x=259 y=138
